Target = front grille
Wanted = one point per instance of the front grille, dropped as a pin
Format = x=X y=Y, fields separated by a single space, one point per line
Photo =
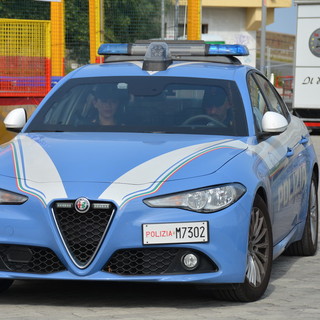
x=29 y=259
x=155 y=261
x=82 y=233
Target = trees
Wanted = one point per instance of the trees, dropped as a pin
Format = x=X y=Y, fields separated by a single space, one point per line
x=124 y=21
x=129 y=20
x=24 y=9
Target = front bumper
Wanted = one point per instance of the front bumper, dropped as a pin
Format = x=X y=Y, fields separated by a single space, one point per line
x=31 y=246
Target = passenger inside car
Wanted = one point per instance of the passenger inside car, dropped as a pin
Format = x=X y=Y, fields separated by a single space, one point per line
x=106 y=103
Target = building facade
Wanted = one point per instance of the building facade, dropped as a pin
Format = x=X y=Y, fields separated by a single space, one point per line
x=232 y=21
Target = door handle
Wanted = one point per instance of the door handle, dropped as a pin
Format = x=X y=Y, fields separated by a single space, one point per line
x=290 y=152
x=304 y=140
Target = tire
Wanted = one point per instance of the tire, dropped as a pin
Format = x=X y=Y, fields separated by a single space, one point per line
x=5 y=284
x=308 y=244
x=259 y=258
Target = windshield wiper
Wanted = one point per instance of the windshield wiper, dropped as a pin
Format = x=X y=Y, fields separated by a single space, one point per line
x=47 y=131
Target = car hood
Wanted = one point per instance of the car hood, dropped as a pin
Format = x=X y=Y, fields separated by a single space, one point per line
x=113 y=158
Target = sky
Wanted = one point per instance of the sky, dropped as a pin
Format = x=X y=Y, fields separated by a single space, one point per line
x=285 y=20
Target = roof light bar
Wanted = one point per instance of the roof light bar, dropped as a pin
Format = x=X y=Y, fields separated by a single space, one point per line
x=113 y=48
x=182 y=49
x=228 y=50
x=157 y=57
x=131 y=49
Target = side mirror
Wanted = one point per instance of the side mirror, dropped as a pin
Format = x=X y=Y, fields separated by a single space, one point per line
x=273 y=122
x=15 y=119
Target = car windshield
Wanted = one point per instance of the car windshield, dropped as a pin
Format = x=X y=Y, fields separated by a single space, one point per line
x=144 y=104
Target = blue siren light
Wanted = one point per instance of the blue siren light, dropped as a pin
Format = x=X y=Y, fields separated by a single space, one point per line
x=182 y=49
x=113 y=48
x=228 y=50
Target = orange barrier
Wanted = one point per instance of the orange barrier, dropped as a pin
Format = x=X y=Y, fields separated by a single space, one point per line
x=25 y=67
x=24 y=76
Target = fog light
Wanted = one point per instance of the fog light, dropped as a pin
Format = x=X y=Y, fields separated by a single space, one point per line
x=190 y=261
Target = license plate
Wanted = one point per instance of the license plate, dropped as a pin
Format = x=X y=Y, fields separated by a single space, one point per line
x=180 y=232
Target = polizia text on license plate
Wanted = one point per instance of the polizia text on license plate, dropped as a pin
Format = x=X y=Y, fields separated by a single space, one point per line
x=180 y=232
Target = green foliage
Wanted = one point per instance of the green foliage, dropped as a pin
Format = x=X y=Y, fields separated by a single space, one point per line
x=130 y=20
x=77 y=30
x=24 y=9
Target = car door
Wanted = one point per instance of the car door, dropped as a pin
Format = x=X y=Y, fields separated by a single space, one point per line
x=285 y=157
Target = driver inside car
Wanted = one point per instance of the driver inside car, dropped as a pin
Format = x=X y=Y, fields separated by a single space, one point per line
x=216 y=105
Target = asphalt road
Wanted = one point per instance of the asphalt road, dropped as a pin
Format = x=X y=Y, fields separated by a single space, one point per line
x=293 y=293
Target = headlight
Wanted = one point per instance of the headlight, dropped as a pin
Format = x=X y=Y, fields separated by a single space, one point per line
x=202 y=200
x=8 y=197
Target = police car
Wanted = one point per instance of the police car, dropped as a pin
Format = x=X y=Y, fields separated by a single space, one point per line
x=170 y=162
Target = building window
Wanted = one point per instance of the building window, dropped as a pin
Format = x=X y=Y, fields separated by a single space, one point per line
x=204 y=28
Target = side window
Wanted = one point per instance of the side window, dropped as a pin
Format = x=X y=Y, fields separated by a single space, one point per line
x=275 y=103
x=259 y=105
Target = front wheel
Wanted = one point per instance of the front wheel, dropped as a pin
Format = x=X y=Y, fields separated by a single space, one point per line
x=259 y=257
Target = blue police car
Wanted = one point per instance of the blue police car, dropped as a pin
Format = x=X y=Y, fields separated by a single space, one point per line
x=170 y=162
